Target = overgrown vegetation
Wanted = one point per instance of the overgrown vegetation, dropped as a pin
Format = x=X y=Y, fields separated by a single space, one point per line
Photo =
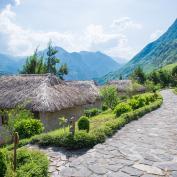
x=29 y=163
x=109 y=96
x=22 y=121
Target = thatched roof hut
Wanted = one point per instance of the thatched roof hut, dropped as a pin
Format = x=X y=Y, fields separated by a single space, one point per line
x=122 y=85
x=127 y=85
x=45 y=93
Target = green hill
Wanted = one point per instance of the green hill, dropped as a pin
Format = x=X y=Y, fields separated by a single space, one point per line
x=157 y=54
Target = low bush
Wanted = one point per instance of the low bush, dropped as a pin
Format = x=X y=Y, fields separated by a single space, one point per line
x=29 y=164
x=28 y=127
x=122 y=108
x=109 y=96
x=84 y=124
x=104 y=107
x=134 y=103
x=3 y=162
x=92 y=112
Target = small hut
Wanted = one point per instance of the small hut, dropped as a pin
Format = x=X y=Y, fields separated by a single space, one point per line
x=127 y=85
x=121 y=85
x=48 y=97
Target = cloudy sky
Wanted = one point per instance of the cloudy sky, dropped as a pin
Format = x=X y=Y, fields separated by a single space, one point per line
x=119 y=28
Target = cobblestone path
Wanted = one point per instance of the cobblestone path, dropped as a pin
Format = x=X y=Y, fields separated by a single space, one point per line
x=145 y=148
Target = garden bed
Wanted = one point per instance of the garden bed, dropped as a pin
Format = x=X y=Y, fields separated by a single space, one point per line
x=101 y=126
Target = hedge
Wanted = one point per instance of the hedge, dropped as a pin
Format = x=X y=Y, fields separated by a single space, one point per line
x=82 y=139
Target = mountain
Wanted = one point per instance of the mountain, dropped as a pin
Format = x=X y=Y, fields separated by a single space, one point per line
x=156 y=54
x=10 y=64
x=82 y=65
x=86 y=65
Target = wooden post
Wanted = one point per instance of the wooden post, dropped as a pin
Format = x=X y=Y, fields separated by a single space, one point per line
x=16 y=141
x=72 y=125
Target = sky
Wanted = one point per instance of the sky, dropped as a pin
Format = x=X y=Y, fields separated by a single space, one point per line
x=119 y=28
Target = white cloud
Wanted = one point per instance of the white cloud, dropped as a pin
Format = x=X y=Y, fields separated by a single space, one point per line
x=18 y=2
x=125 y=23
x=156 y=34
x=22 y=41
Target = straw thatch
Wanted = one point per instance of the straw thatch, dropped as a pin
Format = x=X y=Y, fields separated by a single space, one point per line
x=45 y=93
x=122 y=85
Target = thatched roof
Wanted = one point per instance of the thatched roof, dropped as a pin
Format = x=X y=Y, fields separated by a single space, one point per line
x=45 y=92
x=121 y=85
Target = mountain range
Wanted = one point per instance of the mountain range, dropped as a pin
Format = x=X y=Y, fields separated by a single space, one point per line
x=86 y=65
x=82 y=65
x=156 y=54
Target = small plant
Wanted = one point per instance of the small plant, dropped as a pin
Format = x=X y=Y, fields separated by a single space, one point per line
x=62 y=122
x=3 y=163
x=92 y=112
x=109 y=96
x=122 y=108
x=84 y=123
x=28 y=127
x=104 y=107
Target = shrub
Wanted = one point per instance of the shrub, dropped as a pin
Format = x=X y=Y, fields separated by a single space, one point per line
x=104 y=107
x=3 y=163
x=83 y=123
x=122 y=108
x=134 y=103
x=28 y=127
x=109 y=96
x=92 y=112
x=31 y=163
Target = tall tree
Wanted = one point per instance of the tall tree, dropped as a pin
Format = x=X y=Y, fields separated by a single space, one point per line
x=139 y=75
x=154 y=77
x=37 y=64
x=34 y=64
x=52 y=61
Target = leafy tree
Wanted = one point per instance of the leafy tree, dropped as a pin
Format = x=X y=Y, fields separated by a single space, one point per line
x=37 y=64
x=154 y=77
x=139 y=75
x=174 y=72
x=110 y=96
x=63 y=71
x=164 y=78
x=52 y=61
x=34 y=64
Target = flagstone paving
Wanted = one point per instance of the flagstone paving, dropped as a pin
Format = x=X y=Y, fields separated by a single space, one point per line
x=143 y=148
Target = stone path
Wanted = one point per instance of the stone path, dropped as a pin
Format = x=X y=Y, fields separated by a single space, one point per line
x=145 y=148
